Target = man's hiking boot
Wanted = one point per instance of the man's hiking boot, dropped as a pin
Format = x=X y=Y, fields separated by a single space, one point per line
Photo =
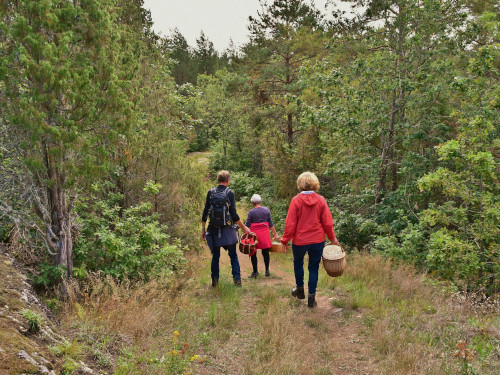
x=254 y=275
x=237 y=283
x=298 y=292
x=268 y=273
x=214 y=283
x=311 y=300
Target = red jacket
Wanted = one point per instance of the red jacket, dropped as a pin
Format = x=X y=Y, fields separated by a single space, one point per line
x=308 y=220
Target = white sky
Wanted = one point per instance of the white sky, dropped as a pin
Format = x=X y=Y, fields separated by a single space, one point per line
x=220 y=20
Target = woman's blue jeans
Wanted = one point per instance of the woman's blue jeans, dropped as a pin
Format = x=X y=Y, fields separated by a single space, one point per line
x=235 y=264
x=315 y=252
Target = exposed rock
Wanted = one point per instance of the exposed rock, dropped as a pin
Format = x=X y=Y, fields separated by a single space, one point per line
x=85 y=369
x=45 y=370
x=40 y=359
x=23 y=355
x=17 y=295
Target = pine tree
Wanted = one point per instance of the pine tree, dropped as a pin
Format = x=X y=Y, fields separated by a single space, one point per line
x=64 y=99
x=284 y=35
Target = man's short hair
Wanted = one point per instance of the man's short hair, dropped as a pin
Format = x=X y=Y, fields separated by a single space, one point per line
x=223 y=176
x=308 y=181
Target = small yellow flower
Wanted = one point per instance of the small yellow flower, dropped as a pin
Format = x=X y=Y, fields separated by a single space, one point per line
x=174 y=352
x=176 y=333
x=195 y=357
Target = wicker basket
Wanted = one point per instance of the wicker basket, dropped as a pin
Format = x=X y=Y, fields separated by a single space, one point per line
x=277 y=247
x=334 y=260
x=248 y=248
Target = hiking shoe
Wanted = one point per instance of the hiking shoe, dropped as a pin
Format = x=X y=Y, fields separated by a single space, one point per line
x=311 y=300
x=268 y=273
x=298 y=292
x=237 y=283
x=214 y=283
x=254 y=275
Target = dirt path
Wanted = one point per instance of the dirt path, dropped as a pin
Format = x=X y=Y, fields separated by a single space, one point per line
x=337 y=334
x=201 y=157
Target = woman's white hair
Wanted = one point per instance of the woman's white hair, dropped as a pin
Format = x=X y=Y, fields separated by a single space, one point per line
x=256 y=199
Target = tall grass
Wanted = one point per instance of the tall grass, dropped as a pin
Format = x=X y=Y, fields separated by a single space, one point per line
x=137 y=321
x=416 y=323
x=393 y=321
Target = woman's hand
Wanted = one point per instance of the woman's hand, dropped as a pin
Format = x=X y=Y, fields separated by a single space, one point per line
x=277 y=238
x=336 y=242
x=284 y=248
x=203 y=234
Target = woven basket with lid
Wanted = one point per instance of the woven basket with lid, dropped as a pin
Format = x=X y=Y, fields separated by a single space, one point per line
x=334 y=260
x=277 y=247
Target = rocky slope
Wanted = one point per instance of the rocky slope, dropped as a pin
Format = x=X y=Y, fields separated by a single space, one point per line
x=24 y=347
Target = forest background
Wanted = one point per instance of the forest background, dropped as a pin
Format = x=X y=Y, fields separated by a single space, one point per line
x=397 y=111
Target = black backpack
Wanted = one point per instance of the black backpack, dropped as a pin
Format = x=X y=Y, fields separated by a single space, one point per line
x=219 y=208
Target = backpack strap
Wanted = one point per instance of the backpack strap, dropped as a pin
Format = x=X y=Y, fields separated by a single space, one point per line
x=226 y=192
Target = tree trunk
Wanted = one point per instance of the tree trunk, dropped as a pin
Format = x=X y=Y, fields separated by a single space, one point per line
x=289 y=116
x=387 y=145
x=57 y=216
x=289 y=123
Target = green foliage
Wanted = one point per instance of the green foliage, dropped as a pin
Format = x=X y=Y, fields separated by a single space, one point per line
x=71 y=352
x=410 y=245
x=355 y=231
x=34 y=320
x=124 y=243
x=50 y=274
x=244 y=186
x=464 y=190
x=174 y=360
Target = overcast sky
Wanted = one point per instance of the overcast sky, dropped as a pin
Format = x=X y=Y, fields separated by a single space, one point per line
x=219 y=19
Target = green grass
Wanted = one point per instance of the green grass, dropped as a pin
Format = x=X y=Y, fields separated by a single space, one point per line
x=258 y=326
x=33 y=319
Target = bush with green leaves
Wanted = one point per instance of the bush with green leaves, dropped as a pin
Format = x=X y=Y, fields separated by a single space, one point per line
x=123 y=242
x=354 y=230
x=410 y=245
x=464 y=190
x=50 y=274
x=244 y=186
x=34 y=320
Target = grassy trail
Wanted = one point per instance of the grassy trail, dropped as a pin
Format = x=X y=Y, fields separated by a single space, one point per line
x=276 y=334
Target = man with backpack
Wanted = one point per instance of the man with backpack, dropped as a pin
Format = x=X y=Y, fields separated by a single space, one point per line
x=220 y=208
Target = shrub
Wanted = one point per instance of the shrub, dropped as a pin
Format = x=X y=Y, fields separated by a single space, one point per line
x=354 y=230
x=49 y=275
x=126 y=242
x=34 y=320
x=409 y=246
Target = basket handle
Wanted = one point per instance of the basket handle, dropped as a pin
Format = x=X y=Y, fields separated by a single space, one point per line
x=244 y=235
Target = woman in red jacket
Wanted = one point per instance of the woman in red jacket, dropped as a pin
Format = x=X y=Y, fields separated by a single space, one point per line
x=307 y=222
